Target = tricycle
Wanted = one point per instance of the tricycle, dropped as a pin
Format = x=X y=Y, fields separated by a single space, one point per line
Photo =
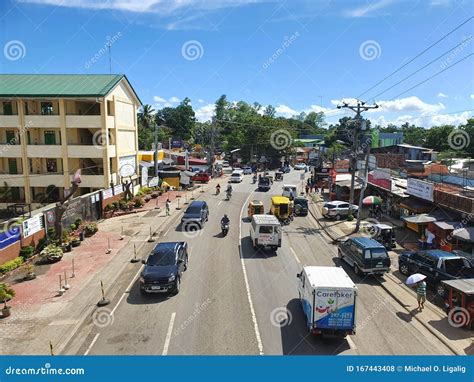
x=255 y=208
x=282 y=208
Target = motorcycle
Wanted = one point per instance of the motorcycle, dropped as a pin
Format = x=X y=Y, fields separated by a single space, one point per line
x=254 y=179
x=225 y=229
x=229 y=194
x=218 y=190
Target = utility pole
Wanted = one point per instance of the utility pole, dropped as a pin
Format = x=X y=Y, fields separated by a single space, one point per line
x=212 y=146
x=156 y=149
x=358 y=108
x=363 y=187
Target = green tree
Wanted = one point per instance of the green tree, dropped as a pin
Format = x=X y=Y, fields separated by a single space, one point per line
x=413 y=135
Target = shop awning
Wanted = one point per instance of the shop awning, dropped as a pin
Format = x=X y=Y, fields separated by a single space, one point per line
x=464 y=234
x=446 y=225
x=415 y=205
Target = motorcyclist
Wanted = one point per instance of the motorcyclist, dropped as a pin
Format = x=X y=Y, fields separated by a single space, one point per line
x=225 y=220
x=218 y=188
x=254 y=178
x=229 y=191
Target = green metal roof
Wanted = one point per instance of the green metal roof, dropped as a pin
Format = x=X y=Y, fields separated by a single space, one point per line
x=59 y=85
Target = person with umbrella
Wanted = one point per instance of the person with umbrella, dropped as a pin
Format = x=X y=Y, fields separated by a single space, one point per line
x=418 y=280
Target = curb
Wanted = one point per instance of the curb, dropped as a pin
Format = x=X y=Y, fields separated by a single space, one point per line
x=431 y=330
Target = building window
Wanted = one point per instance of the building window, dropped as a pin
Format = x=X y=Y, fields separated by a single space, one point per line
x=47 y=108
x=12 y=166
x=52 y=165
x=49 y=137
x=110 y=108
x=7 y=108
x=11 y=139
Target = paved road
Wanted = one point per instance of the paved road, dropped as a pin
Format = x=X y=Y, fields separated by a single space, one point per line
x=238 y=301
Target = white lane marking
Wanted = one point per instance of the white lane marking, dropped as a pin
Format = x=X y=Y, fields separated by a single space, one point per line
x=219 y=203
x=168 y=335
x=351 y=343
x=247 y=286
x=295 y=255
x=92 y=343
x=126 y=291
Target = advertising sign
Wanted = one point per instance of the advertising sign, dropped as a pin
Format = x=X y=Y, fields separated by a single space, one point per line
x=127 y=165
x=33 y=225
x=421 y=189
x=176 y=143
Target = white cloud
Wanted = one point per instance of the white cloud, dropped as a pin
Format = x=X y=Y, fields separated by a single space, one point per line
x=174 y=99
x=442 y=95
x=205 y=113
x=368 y=9
x=164 y=8
x=285 y=111
x=200 y=100
x=472 y=96
x=158 y=99
x=425 y=121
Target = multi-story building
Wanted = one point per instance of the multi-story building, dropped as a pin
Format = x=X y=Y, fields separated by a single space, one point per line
x=53 y=125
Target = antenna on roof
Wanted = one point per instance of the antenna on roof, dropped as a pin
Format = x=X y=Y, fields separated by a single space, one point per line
x=109 y=47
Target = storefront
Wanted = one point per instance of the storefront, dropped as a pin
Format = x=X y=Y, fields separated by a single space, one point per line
x=442 y=232
x=409 y=207
x=464 y=242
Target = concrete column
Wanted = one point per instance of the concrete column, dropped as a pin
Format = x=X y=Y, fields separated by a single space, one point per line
x=116 y=158
x=22 y=132
x=105 y=138
x=64 y=151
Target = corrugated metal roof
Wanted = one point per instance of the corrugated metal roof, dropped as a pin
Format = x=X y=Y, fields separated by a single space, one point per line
x=58 y=85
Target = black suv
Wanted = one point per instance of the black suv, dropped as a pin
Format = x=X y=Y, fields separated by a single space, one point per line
x=195 y=215
x=436 y=265
x=164 y=268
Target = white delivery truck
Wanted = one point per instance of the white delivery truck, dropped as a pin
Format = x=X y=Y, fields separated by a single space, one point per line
x=328 y=297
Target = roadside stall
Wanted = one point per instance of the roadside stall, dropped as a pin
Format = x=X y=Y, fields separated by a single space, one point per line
x=411 y=207
x=460 y=301
x=442 y=232
x=464 y=242
x=419 y=223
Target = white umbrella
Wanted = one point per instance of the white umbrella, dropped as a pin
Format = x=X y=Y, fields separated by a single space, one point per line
x=413 y=279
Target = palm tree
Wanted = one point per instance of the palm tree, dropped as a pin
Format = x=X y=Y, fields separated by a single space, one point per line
x=146 y=116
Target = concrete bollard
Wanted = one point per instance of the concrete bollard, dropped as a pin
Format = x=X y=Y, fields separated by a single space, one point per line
x=122 y=235
x=134 y=258
x=61 y=289
x=192 y=194
x=66 y=285
x=73 y=271
x=186 y=198
x=157 y=207
x=202 y=188
x=109 y=250
x=151 y=239
x=51 y=349
x=104 y=301
x=178 y=197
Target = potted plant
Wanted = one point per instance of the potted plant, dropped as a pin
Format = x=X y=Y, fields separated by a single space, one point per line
x=27 y=251
x=90 y=229
x=51 y=254
x=67 y=242
x=76 y=241
x=29 y=272
x=6 y=294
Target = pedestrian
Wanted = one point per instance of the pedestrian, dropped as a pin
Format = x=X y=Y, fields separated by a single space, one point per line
x=421 y=294
x=168 y=206
x=307 y=189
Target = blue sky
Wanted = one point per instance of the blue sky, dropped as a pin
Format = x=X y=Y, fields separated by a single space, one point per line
x=296 y=55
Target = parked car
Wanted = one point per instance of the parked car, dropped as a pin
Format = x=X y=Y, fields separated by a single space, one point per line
x=236 y=177
x=300 y=166
x=364 y=255
x=337 y=209
x=201 y=176
x=247 y=170
x=195 y=215
x=436 y=265
x=164 y=268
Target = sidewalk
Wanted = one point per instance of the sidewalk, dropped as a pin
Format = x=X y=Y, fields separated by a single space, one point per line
x=434 y=319
x=39 y=315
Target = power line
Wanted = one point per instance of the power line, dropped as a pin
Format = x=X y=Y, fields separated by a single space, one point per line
x=423 y=67
x=418 y=55
x=431 y=77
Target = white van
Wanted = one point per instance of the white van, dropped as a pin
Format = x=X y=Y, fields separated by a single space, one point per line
x=288 y=189
x=265 y=232
x=236 y=176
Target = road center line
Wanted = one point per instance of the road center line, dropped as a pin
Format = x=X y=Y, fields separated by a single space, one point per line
x=126 y=291
x=295 y=255
x=351 y=343
x=247 y=286
x=168 y=335
x=92 y=343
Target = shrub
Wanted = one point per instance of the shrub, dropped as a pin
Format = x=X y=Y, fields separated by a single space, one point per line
x=144 y=190
x=109 y=207
x=6 y=293
x=90 y=229
x=41 y=244
x=11 y=265
x=72 y=227
x=51 y=232
x=123 y=204
x=27 y=252
x=51 y=253
x=147 y=198
x=78 y=222
x=350 y=217
x=138 y=202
